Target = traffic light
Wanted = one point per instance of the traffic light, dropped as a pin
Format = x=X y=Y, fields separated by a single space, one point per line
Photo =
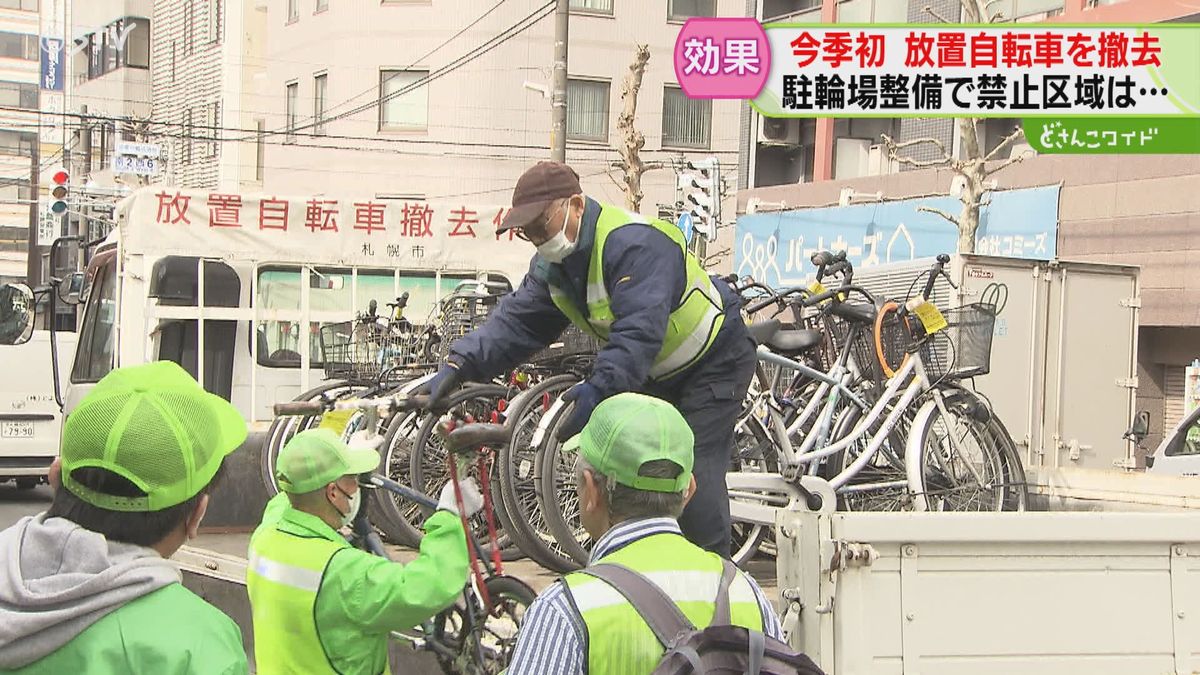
x=58 y=193
x=700 y=183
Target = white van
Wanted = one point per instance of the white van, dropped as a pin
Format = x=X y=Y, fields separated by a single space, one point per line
x=1179 y=452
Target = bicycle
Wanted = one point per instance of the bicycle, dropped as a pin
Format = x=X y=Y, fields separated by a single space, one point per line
x=477 y=635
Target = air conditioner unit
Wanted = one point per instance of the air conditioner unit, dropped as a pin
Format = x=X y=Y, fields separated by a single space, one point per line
x=776 y=131
x=879 y=163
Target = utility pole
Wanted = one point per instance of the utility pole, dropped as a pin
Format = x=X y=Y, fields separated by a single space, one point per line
x=33 y=263
x=558 y=101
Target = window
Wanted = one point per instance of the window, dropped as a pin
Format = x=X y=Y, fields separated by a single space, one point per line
x=587 y=110
x=597 y=6
x=682 y=9
x=19 y=95
x=407 y=110
x=16 y=143
x=137 y=42
x=189 y=26
x=292 y=96
x=215 y=130
x=320 y=82
x=95 y=51
x=18 y=46
x=215 y=17
x=188 y=133
x=26 y=5
x=687 y=123
x=293 y=10
x=98 y=333
x=173 y=60
x=112 y=46
x=260 y=148
x=322 y=5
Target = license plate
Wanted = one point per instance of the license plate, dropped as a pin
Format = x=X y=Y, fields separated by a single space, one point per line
x=16 y=430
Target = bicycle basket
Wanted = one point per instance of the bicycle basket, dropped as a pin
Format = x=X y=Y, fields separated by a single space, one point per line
x=355 y=350
x=573 y=344
x=964 y=347
x=459 y=314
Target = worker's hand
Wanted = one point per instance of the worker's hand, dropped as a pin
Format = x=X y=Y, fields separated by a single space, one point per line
x=440 y=386
x=361 y=439
x=586 y=397
x=472 y=499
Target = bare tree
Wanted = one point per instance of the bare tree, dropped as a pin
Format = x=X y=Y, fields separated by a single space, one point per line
x=632 y=140
x=973 y=167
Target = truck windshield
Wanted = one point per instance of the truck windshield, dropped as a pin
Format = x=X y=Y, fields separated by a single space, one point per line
x=97 y=339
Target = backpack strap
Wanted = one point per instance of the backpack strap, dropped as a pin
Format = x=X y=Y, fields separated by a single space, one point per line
x=723 y=617
x=657 y=609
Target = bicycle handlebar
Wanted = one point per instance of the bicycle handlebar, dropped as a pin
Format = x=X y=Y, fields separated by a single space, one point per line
x=470 y=437
x=395 y=403
x=935 y=270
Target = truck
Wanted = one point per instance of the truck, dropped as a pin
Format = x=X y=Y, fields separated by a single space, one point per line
x=249 y=280
x=30 y=419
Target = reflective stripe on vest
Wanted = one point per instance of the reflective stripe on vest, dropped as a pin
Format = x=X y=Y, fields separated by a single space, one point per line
x=691 y=328
x=618 y=639
x=282 y=600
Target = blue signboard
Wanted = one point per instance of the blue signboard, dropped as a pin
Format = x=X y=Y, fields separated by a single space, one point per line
x=53 y=71
x=687 y=225
x=775 y=247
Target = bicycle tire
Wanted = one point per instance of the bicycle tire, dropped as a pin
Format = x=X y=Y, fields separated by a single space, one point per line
x=940 y=471
x=753 y=451
x=397 y=519
x=557 y=497
x=283 y=428
x=887 y=465
x=889 y=335
x=511 y=597
x=517 y=472
x=427 y=463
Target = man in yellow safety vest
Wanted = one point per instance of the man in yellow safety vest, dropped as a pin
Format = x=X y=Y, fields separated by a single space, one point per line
x=667 y=328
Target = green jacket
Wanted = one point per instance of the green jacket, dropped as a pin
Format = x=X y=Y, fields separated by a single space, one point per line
x=170 y=631
x=304 y=579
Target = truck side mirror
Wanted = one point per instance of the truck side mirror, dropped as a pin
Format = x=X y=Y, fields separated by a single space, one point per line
x=16 y=314
x=1141 y=427
x=70 y=289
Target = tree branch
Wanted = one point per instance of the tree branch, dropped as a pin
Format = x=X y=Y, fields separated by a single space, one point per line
x=632 y=140
x=937 y=16
x=1007 y=141
x=929 y=209
x=1004 y=165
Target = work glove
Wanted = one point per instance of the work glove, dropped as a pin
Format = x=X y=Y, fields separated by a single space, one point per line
x=361 y=440
x=586 y=396
x=439 y=388
x=472 y=499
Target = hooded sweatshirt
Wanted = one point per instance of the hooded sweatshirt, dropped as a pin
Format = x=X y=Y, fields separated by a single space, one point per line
x=58 y=579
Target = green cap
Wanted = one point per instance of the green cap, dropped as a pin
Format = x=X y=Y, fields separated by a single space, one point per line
x=317 y=457
x=155 y=426
x=629 y=430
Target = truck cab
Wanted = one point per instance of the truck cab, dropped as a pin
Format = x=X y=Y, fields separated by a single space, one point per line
x=1179 y=452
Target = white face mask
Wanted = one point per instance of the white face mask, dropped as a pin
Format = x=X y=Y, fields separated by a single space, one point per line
x=557 y=248
x=355 y=503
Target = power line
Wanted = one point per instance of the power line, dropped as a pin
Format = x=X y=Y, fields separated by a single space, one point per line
x=504 y=36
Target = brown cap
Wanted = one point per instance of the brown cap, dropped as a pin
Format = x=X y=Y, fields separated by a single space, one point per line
x=536 y=189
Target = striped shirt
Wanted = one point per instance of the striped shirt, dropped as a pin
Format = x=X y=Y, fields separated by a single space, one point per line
x=552 y=636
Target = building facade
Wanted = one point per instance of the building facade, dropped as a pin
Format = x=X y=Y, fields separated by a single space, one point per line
x=465 y=91
x=1138 y=210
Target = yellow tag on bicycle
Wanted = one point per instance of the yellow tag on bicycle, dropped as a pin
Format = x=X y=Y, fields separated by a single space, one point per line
x=337 y=420
x=817 y=288
x=931 y=318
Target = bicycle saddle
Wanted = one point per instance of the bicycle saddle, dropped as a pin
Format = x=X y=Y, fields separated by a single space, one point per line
x=858 y=312
x=786 y=342
x=469 y=437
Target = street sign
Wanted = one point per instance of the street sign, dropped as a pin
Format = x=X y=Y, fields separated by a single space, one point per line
x=47 y=223
x=52 y=74
x=139 y=149
x=141 y=166
x=687 y=225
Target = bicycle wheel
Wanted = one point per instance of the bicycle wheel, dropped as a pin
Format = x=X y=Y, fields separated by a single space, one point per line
x=483 y=644
x=891 y=337
x=428 y=470
x=557 y=497
x=885 y=467
x=525 y=521
x=282 y=429
x=397 y=517
x=753 y=451
x=960 y=460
